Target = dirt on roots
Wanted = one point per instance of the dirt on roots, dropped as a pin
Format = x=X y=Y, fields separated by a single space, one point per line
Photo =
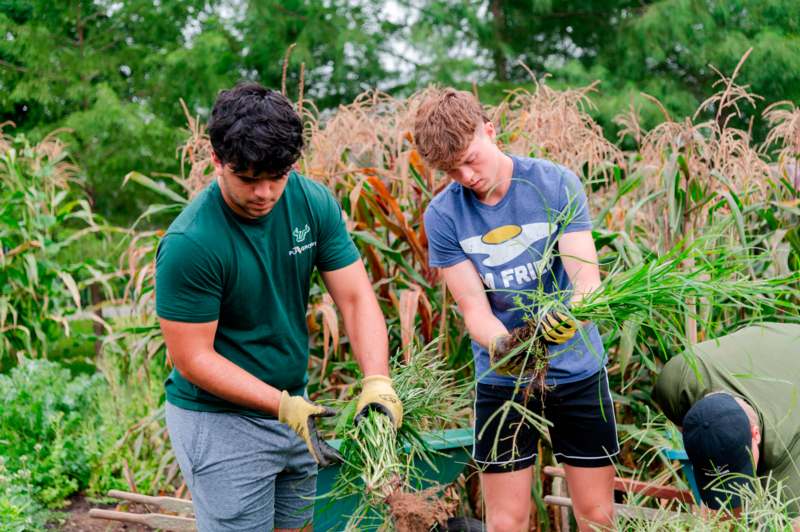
x=420 y=511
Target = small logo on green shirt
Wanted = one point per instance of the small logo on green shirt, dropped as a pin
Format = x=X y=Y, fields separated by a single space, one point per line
x=300 y=234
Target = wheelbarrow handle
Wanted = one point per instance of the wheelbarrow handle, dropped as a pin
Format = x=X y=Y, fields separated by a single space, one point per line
x=644 y=488
x=172 y=504
x=164 y=522
x=623 y=510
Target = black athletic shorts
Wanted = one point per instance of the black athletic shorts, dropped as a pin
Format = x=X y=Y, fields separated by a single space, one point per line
x=582 y=433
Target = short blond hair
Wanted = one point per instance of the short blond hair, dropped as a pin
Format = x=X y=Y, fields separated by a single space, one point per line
x=445 y=124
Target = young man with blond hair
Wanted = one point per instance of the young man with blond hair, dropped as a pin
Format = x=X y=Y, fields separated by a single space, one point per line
x=492 y=232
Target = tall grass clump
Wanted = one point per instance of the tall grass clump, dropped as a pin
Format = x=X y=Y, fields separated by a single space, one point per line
x=380 y=466
x=719 y=293
x=763 y=508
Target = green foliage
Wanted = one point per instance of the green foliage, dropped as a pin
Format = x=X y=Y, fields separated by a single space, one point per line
x=19 y=511
x=132 y=429
x=43 y=214
x=114 y=73
x=84 y=65
x=43 y=427
x=665 y=48
x=60 y=433
x=114 y=136
x=339 y=41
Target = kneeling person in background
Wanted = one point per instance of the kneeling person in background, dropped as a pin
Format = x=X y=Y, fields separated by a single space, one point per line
x=740 y=414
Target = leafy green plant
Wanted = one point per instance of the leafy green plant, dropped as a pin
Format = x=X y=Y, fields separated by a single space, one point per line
x=19 y=510
x=61 y=434
x=47 y=427
x=43 y=213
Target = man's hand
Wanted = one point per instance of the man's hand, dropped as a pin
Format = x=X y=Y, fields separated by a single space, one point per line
x=500 y=346
x=299 y=414
x=379 y=394
x=556 y=327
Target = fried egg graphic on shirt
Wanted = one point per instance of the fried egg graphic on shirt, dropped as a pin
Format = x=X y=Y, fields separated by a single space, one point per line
x=505 y=243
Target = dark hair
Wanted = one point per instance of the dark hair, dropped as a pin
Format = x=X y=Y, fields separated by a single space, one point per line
x=255 y=128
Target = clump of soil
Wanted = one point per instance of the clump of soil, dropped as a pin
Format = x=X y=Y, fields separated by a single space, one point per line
x=536 y=362
x=420 y=511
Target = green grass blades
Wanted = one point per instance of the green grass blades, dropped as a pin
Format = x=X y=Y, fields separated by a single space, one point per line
x=706 y=282
x=380 y=461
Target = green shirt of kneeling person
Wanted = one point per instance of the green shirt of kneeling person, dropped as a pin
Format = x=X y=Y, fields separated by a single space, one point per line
x=742 y=415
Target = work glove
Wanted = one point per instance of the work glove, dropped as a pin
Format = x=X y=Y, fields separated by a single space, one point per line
x=555 y=327
x=500 y=346
x=299 y=413
x=378 y=394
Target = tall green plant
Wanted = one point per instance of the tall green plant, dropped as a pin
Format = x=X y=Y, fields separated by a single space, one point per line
x=43 y=213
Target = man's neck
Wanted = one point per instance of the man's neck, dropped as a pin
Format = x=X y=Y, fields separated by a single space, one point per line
x=503 y=182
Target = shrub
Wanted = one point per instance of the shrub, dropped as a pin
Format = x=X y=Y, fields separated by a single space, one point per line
x=43 y=428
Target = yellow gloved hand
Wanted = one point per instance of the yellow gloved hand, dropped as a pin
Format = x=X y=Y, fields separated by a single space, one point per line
x=557 y=328
x=378 y=394
x=299 y=413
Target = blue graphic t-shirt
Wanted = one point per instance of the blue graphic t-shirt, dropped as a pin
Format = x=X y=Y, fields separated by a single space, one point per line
x=508 y=243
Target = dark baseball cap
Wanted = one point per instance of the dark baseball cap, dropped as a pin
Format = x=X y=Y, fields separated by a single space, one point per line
x=717 y=439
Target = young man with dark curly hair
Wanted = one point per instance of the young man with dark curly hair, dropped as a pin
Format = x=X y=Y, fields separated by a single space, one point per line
x=233 y=274
x=493 y=232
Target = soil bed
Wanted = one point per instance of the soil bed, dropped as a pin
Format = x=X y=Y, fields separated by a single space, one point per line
x=78 y=520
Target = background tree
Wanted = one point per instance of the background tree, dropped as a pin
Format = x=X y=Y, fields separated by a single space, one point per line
x=80 y=65
x=114 y=72
x=662 y=47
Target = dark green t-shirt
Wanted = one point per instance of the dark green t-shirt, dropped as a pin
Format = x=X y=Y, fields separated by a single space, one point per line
x=760 y=364
x=253 y=276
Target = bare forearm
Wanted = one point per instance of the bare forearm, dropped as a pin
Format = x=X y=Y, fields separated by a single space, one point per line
x=582 y=287
x=579 y=257
x=483 y=327
x=366 y=330
x=217 y=375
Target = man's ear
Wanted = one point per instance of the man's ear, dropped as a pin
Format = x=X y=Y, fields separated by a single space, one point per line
x=755 y=431
x=488 y=130
x=217 y=163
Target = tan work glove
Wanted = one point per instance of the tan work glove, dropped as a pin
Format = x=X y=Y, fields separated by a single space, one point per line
x=553 y=328
x=299 y=413
x=378 y=394
x=556 y=327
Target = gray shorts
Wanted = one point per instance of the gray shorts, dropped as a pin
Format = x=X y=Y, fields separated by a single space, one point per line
x=244 y=473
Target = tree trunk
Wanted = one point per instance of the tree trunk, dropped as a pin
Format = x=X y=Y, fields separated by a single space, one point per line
x=498 y=28
x=96 y=298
